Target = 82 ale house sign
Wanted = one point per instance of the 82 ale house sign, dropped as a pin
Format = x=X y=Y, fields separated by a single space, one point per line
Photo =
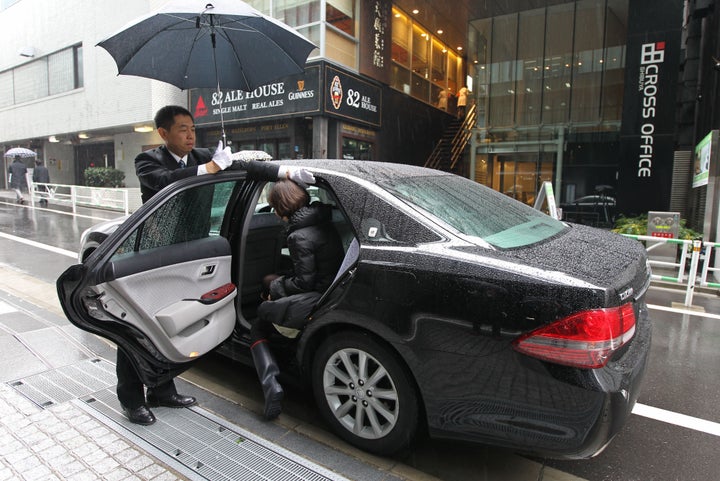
x=352 y=98
x=295 y=94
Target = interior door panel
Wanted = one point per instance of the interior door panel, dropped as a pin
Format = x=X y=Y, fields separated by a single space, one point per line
x=173 y=304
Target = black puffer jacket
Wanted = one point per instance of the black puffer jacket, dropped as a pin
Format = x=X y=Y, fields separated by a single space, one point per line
x=315 y=249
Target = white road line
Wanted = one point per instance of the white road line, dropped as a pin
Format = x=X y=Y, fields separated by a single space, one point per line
x=683 y=311
x=73 y=214
x=54 y=249
x=677 y=419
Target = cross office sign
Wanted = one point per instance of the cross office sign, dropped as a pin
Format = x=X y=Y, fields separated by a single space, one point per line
x=647 y=135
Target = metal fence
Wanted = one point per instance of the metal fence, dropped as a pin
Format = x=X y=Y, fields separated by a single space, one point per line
x=696 y=251
x=123 y=200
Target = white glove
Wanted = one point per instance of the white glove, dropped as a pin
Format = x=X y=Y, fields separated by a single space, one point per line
x=298 y=175
x=222 y=157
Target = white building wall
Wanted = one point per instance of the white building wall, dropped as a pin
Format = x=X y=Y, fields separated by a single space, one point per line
x=106 y=100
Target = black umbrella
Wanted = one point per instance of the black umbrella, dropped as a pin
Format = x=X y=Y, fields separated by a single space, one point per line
x=201 y=44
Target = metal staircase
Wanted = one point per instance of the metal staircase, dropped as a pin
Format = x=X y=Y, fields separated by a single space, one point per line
x=449 y=150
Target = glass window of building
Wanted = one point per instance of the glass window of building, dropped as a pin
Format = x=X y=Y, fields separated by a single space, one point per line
x=502 y=71
x=423 y=66
x=400 y=51
x=531 y=68
x=50 y=75
x=557 y=81
x=587 y=81
x=420 y=63
x=340 y=14
x=61 y=76
x=6 y=88
x=329 y=24
x=553 y=65
x=614 y=60
x=297 y=12
x=31 y=81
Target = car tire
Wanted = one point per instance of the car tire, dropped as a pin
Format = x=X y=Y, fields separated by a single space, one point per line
x=364 y=393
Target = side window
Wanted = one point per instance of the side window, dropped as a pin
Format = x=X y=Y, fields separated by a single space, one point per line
x=377 y=221
x=384 y=223
x=190 y=215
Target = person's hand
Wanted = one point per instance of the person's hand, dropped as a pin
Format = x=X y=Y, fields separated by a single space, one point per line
x=298 y=175
x=222 y=157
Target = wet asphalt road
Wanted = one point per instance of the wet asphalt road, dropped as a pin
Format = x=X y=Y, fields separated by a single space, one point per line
x=683 y=376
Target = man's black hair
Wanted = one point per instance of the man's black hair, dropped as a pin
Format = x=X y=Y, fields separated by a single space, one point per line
x=165 y=117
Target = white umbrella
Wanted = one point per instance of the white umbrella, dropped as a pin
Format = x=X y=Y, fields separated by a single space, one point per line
x=21 y=152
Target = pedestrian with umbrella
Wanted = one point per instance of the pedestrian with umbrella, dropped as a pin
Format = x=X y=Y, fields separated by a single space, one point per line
x=18 y=183
x=195 y=44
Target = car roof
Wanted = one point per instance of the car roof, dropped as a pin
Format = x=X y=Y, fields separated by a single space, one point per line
x=372 y=171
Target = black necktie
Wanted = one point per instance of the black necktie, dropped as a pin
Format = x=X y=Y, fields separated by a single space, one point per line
x=181 y=163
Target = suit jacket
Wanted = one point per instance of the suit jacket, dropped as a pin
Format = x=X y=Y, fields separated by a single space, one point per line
x=41 y=174
x=157 y=168
x=18 y=171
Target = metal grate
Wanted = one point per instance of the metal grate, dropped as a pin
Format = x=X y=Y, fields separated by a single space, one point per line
x=66 y=383
x=193 y=441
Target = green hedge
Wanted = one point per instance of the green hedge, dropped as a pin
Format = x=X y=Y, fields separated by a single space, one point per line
x=638 y=226
x=104 y=177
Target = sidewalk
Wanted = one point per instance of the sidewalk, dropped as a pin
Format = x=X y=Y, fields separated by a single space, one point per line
x=62 y=442
x=60 y=419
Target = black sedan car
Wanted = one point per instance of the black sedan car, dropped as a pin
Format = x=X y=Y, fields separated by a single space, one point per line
x=457 y=312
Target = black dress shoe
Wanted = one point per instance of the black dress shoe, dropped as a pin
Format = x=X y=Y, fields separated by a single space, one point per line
x=173 y=401
x=140 y=415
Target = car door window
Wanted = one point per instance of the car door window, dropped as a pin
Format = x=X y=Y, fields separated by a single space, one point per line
x=190 y=215
x=383 y=222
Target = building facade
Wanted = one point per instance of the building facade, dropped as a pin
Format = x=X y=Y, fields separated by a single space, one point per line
x=581 y=93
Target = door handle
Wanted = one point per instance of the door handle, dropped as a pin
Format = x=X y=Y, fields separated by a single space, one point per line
x=208 y=270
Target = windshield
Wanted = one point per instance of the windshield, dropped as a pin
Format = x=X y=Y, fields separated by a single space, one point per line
x=476 y=210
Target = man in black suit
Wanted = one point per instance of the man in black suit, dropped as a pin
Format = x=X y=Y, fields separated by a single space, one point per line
x=157 y=168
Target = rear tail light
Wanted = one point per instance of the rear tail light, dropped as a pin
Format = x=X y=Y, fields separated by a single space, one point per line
x=585 y=339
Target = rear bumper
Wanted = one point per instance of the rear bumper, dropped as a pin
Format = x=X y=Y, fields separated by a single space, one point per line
x=555 y=411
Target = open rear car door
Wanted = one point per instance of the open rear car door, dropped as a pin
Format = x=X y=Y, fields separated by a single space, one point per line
x=160 y=285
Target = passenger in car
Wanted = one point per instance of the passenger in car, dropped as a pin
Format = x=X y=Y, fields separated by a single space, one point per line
x=178 y=158
x=316 y=252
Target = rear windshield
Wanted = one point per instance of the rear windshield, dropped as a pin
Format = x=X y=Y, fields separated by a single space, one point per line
x=476 y=210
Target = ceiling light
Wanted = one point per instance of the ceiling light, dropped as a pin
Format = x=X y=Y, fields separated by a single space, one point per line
x=27 y=52
x=143 y=129
x=459 y=48
x=440 y=31
x=83 y=135
x=416 y=11
x=53 y=139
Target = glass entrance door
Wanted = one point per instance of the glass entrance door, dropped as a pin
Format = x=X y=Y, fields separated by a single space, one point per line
x=516 y=174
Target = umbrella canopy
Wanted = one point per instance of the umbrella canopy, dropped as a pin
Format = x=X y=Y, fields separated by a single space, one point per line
x=20 y=151
x=201 y=44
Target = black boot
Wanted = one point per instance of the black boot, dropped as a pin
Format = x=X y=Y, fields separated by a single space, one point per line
x=267 y=369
